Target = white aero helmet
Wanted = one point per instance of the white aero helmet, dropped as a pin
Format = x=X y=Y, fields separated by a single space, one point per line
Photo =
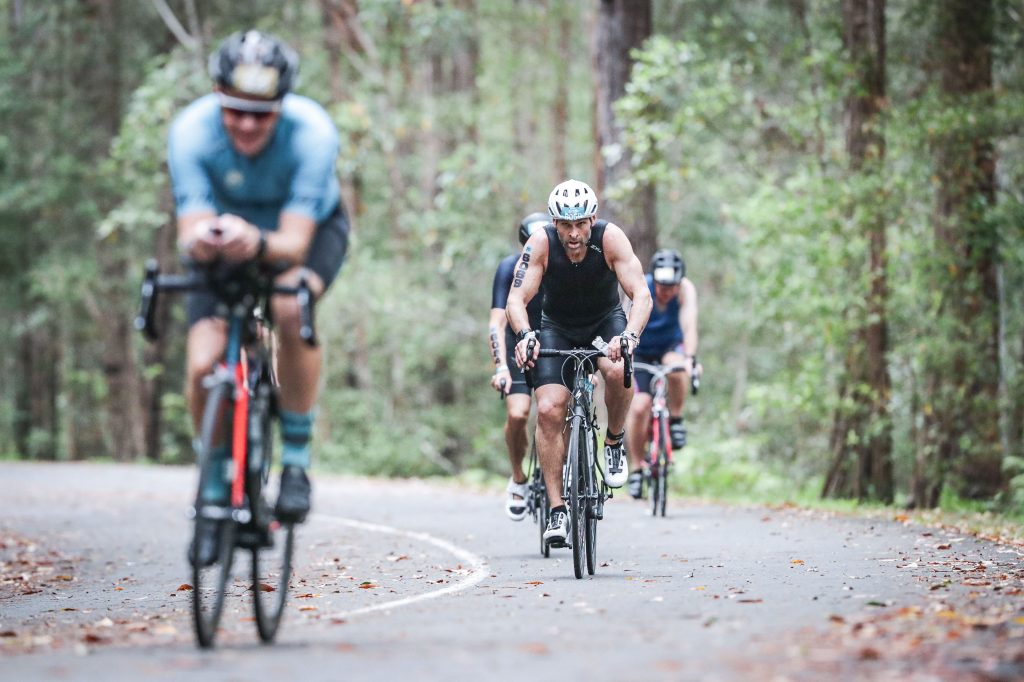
x=572 y=200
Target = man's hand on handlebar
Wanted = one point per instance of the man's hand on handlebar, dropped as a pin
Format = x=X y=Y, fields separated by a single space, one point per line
x=615 y=346
x=502 y=380
x=527 y=351
x=228 y=237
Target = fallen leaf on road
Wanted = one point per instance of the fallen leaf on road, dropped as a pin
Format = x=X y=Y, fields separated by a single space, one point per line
x=184 y=587
x=750 y=601
x=535 y=582
x=537 y=648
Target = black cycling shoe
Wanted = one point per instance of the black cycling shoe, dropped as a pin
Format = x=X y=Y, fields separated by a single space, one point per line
x=207 y=539
x=677 y=434
x=293 y=500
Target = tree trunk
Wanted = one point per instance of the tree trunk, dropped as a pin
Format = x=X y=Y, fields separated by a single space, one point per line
x=622 y=25
x=862 y=432
x=962 y=425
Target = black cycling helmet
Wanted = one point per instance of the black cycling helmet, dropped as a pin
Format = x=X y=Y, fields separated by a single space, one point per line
x=532 y=223
x=667 y=267
x=255 y=63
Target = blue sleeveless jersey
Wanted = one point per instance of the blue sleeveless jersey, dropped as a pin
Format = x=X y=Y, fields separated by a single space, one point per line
x=295 y=172
x=662 y=332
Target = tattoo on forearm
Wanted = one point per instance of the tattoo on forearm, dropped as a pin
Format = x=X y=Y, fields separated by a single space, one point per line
x=495 y=347
x=524 y=263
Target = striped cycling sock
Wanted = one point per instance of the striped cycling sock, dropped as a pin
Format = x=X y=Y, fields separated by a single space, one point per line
x=296 y=431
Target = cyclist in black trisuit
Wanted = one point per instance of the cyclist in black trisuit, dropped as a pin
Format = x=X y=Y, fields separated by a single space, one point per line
x=669 y=339
x=508 y=376
x=581 y=262
x=253 y=174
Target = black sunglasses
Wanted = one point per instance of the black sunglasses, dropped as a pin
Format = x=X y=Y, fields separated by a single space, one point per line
x=239 y=113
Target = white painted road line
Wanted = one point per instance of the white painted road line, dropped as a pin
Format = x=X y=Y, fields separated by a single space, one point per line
x=478 y=567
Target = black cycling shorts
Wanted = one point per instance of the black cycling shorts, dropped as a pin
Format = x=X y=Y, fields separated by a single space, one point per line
x=325 y=257
x=518 y=379
x=553 y=335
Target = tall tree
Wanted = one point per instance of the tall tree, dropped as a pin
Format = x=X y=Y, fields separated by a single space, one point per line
x=622 y=26
x=961 y=421
x=862 y=431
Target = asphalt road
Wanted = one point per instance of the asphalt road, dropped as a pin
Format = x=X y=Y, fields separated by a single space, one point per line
x=415 y=580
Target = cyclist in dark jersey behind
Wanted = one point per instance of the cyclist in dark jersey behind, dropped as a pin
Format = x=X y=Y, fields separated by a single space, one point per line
x=508 y=377
x=669 y=339
x=581 y=262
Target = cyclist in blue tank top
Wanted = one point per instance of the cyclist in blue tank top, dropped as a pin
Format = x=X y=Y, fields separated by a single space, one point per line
x=581 y=262
x=669 y=339
x=508 y=377
x=253 y=174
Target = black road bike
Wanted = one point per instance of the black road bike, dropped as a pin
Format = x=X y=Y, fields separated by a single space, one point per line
x=583 y=488
x=241 y=407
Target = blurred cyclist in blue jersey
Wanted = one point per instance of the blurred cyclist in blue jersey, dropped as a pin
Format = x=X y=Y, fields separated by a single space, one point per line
x=253 y=173
x=670 y=338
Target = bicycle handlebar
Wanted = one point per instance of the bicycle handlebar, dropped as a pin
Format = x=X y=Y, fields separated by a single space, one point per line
x=665 y=370
x=581 y=354
x=153 y=283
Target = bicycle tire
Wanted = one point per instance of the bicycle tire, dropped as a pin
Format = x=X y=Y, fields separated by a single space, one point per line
x=661 y=467
x=543 y=508
x=272 y=553
x=577 y=500
x=209 y=583
x=270 y=577
x=593 y=491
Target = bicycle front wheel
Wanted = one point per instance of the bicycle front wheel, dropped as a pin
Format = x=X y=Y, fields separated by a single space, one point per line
x=578 y=503
x=660 y=471
x=209 y=583
x=593 y=500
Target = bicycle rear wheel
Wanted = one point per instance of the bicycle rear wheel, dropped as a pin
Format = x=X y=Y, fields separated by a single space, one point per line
x=577 y=498
x=541 y=506
x=274 y=542
x=271 y=571
x=209 y=583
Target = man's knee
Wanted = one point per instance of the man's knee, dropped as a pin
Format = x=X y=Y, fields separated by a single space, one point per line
x=550 y=411
x=517 y=417
x=641 y=406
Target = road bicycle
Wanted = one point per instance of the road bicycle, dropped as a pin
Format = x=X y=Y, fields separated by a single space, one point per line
x=583 y=488
x=241 y=406
x=659 y=448
x=537 y=504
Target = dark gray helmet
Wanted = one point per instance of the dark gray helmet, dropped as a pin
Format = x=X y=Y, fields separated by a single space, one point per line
x=532 y=223
x=667 y=267
x=255 y=63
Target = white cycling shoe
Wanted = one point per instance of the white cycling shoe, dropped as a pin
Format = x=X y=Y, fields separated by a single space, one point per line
x=616 y=470
x=515 y=508
x=557 y=531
